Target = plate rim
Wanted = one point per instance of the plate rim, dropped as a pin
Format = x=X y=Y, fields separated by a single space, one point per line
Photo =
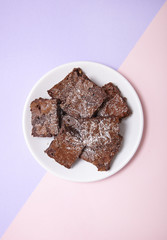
x=66 y=177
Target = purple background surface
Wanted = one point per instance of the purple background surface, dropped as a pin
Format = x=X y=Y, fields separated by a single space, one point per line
x=36 y=36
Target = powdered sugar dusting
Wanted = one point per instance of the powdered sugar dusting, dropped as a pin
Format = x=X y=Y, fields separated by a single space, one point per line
x=99 y=131
x=116 y=106
x=85 y=98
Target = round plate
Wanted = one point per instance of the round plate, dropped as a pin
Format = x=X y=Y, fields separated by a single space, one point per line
x=131 y=128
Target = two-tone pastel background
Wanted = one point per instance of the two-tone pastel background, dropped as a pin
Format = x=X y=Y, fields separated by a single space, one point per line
x=130 y=36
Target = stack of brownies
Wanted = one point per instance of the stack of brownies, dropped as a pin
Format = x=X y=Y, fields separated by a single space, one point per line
x=83 y=118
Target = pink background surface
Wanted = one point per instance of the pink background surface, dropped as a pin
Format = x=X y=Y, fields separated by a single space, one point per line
x=130 y=204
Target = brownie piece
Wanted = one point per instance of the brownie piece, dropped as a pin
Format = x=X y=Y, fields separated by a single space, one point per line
x=111 y=89
x=65 y=148
x=115 y=105
x=85 y=98
x=94 y=131
x=101 y=137
x=61 y=90
x=45 y=120
x=98 y=131
x=103 y=155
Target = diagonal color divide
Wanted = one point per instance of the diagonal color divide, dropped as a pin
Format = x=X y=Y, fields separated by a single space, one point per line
x=35 y=37
x=131 y=204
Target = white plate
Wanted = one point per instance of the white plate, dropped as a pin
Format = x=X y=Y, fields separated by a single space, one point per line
x=131 y=128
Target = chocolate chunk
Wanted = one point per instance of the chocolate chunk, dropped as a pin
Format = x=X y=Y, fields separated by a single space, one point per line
x=65 y=148
x=45 y=120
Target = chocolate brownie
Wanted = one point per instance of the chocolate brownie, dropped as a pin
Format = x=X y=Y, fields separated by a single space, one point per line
x=115 y=105
x=111 y=89
x=45 y=119
x=61 y=90
x=101 y=137
x=103 y=155
x=98 y=131
x=84 y=99
x=93 y=131
x=65 y=148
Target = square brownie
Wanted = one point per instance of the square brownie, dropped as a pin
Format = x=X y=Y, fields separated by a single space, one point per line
x=45 y=120
x=98 y=131
x=65 y=148
x=61 y=90
x=84 y=99
x=115 y=105
x=103 y=155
